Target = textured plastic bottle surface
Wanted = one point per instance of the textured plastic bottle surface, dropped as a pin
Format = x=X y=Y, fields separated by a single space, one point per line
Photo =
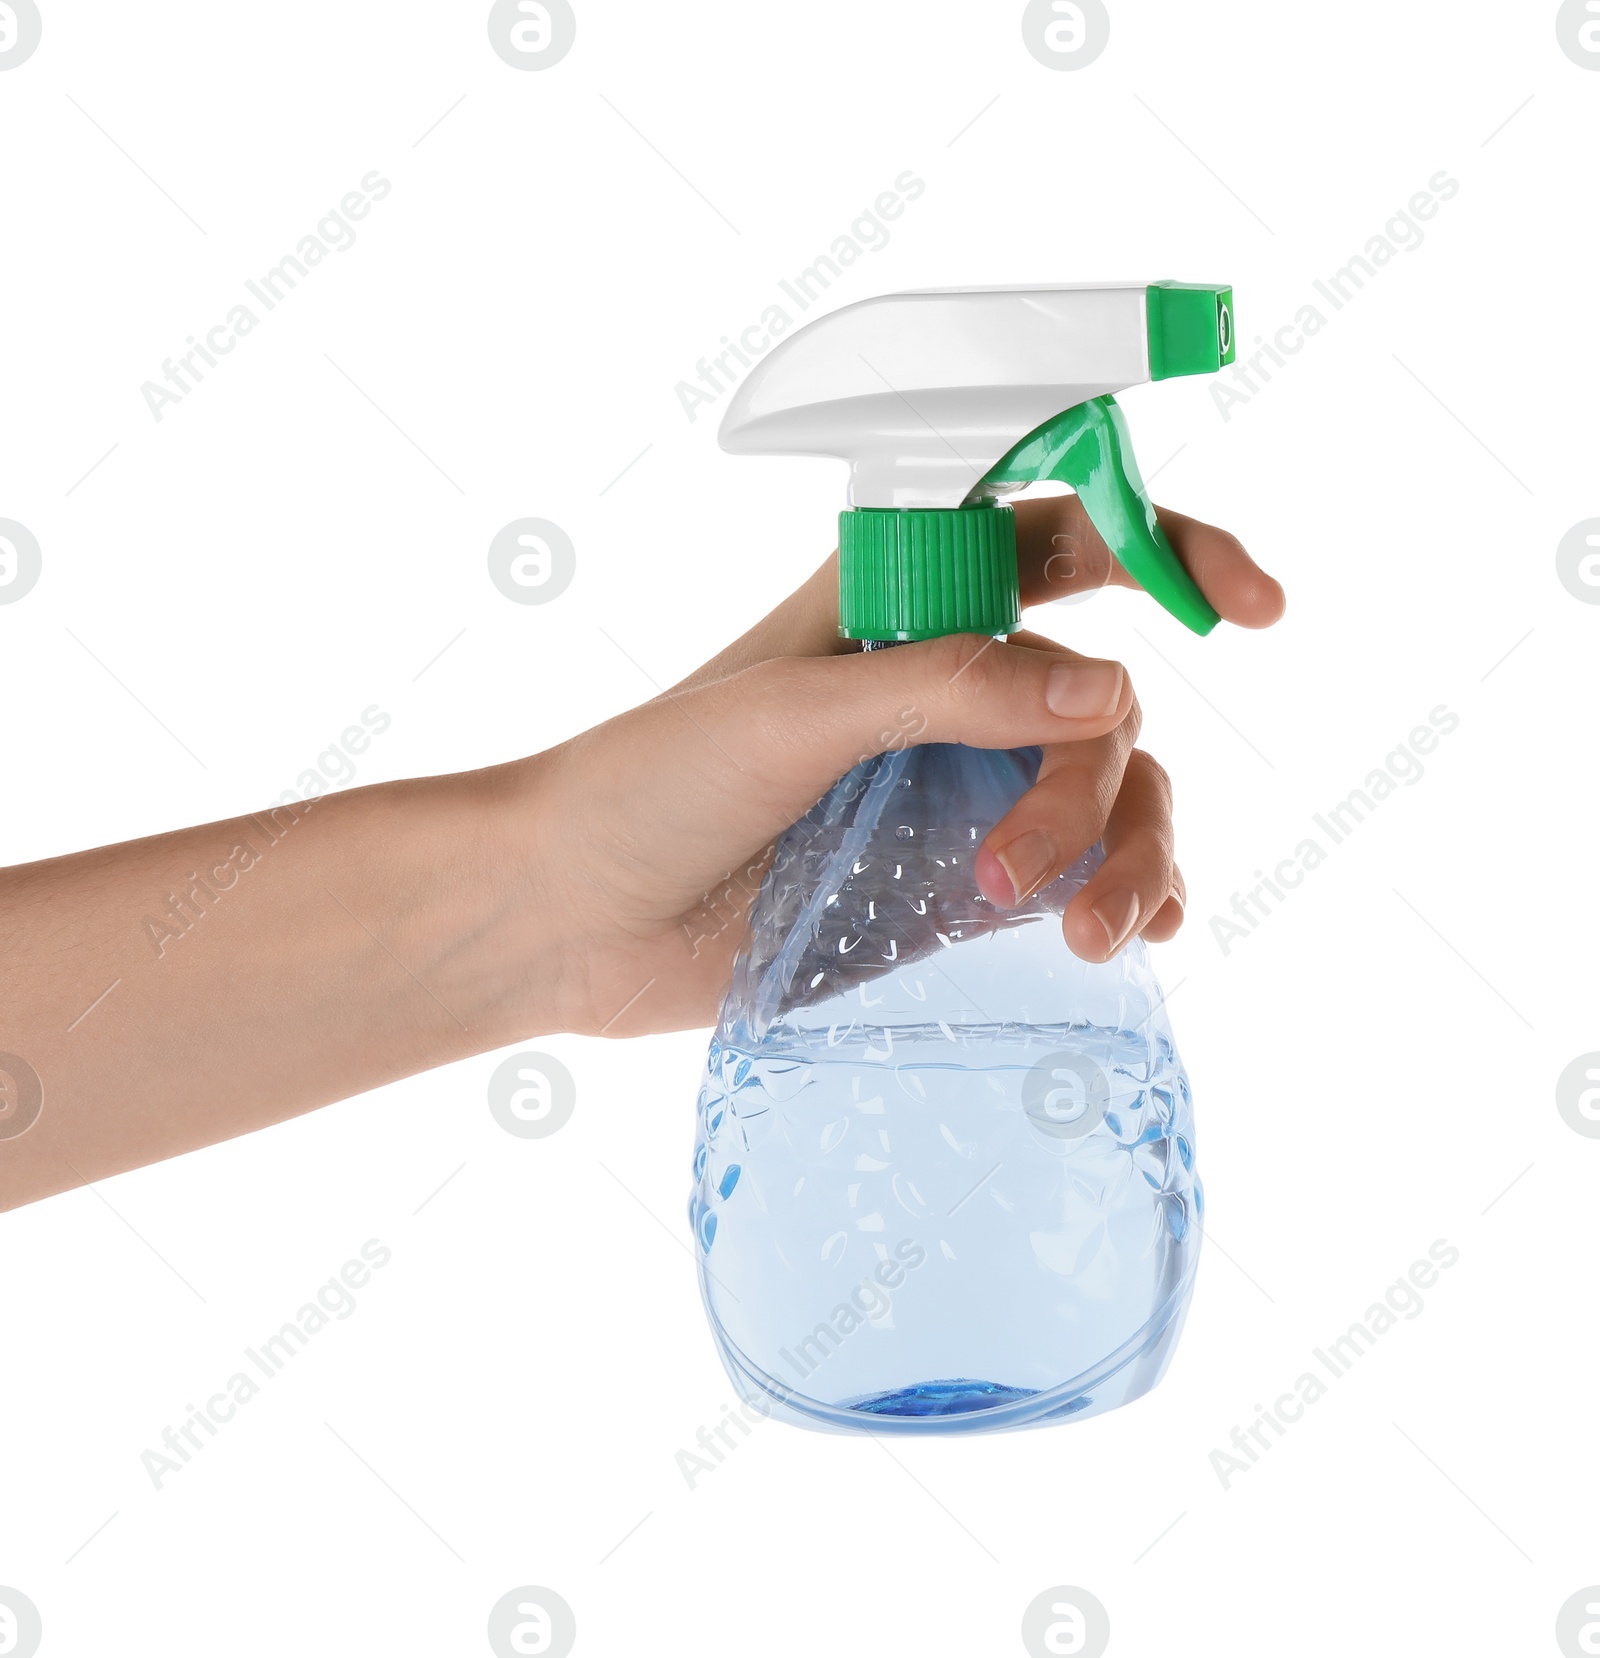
x=944 y=1170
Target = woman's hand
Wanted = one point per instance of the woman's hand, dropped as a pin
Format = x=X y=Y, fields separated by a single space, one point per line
x=653 y=830
x=167 y=993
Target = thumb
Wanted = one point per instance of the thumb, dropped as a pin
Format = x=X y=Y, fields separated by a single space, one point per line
x=800 y=723
x=659 y=803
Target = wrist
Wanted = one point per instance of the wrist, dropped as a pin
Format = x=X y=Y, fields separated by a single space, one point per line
x=503 y=949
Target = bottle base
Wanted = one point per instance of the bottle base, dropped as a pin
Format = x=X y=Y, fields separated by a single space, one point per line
x=965 y=1404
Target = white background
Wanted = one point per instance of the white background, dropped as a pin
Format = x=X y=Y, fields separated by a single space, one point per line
x=1374 y=1066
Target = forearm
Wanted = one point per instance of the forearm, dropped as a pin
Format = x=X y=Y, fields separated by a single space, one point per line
x=180 y=990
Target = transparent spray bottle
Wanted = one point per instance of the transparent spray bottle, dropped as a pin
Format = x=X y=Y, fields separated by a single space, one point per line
x=945 y=1170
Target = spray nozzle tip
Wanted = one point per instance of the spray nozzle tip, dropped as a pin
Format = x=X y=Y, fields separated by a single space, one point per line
x=1190 y=328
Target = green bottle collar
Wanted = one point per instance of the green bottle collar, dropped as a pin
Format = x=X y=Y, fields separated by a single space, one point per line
x=921 y=573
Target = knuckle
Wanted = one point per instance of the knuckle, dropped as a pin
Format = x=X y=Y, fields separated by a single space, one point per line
x=1098 y=790
x=967 y=665
x=1151 y=844
x=1154 y=774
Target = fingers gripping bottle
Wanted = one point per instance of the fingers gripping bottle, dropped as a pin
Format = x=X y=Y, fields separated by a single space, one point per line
x=944 y=1170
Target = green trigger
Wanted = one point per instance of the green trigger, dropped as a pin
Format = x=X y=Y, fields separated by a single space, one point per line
x=1088 y=446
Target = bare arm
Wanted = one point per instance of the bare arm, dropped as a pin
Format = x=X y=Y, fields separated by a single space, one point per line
x=176 y=991
x=172 y=992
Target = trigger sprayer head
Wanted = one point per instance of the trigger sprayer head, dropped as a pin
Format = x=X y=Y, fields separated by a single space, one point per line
x=942 y=401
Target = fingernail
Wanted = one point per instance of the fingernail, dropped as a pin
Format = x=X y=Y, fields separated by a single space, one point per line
x=1084 y=690
x=1117 y=913
x=1026 y=861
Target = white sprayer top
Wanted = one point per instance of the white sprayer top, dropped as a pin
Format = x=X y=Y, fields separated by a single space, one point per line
x=923 y=392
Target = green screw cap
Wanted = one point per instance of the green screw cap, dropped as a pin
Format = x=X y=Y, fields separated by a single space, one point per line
x=1190 y=328
x=920 y=573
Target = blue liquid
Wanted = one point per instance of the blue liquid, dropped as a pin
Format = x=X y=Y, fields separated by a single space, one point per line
x=940 y=1399
x=945 y=1170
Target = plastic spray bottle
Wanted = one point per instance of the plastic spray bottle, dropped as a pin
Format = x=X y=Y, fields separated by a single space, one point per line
x=945 y=1170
